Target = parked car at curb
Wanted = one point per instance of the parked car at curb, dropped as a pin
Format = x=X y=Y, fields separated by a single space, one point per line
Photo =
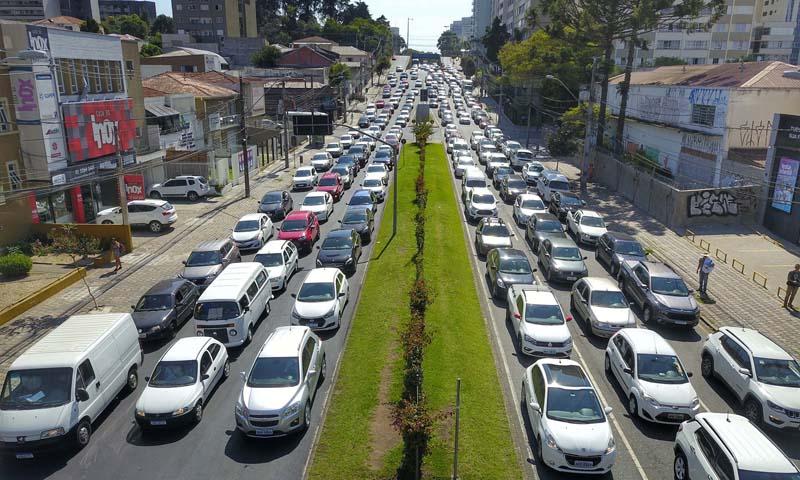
x=155 y=214
x=164 y=308
x=191 y=187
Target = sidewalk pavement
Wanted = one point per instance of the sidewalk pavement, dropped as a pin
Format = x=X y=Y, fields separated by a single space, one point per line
x=736 y=299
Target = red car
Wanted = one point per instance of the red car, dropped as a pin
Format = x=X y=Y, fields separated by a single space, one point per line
x=331 y=183
x=380 y=104
x=301 y=228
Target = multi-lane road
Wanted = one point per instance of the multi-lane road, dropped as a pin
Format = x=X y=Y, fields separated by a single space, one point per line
x=644 y=449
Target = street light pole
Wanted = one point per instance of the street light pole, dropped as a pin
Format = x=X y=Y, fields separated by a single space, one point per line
x=408 y=33
x=587 y=141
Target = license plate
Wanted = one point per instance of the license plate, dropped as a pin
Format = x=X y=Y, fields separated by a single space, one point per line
x=548 y=351
x=24 y=456
x=583 y=464
x=675 y=416
x=264 y=431
x=158 y=422
x=572 y=278
x=142 y=335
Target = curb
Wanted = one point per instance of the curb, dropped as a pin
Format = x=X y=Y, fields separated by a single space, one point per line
x=35 y=298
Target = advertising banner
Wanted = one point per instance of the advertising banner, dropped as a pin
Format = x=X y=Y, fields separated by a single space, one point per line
x=251 y=158
x=26 y=105
x=96 y=129
x=785 y=183
x=134 y=187
x=38 y=38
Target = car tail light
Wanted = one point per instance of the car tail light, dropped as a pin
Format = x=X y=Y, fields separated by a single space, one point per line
x=517 y=316
x=167 y=213
x=569 y=318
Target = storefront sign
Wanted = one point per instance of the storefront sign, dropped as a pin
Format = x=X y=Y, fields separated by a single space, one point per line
x=59 y=179
x=96 y=129
x=785 y=183
x=23 y=85
x=134 y=187
x=788 y=132
x=38 y=38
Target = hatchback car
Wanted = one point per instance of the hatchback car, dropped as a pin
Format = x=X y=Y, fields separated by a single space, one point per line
x=460 y=164
x=525 y=205
x=511 y=186
x=155 y=214
x=281 y=384
x=345 y=173
x=561 y=260
x=252 y=231
x=586 y=226
x=276 y=204
x=490 y=233
x=208 y=259
x=320 y=302
x=364 y=198
x=570 y=425
x=340 y=249
x=164 y=308
x=601 y=305
x=320 y=203
x=191 y=187
x=531 y=172
x=378 y=169
x=322 y=161
x=332 y=183
x=540 y=325
x=374 y=183
x=301 y=228
x=305 y=177
x=360 y=219
x=506 y=267
x=280 y=257
x=181 y=383
x=613 y=248
x=480 y=203
x=652 y=377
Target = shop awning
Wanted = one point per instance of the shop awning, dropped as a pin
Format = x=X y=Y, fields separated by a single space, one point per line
x=161 y=110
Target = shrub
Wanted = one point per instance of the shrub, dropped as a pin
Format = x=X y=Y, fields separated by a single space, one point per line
x=15 y=265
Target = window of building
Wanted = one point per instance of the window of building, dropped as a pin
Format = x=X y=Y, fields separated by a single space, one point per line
x=86 y=83
x=61 y=66
x=221 y=33
x=116 y=75
x=14 y=179
x=5 y=120
x=696 y=44
x=73 y=76
x=178 y=7
x=669 y=44
x=703 y=114
x=129 y=68
x=220 y=20
x=741 y=27
x=98 y=78
x=203 y=7
x=109 y=77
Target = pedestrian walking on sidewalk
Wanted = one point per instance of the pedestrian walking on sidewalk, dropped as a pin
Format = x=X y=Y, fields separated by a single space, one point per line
x=116 y=249
x=704 y=267
x=792 y=283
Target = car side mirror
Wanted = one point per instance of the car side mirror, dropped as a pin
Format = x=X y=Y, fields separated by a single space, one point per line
x=583 y=203
x=312 y=372
x=628 y=370
x=317 y=247
x=294 y=295
x=184 y=263
x=585 y=257
x=146 y=379
x=535 y=406
x=81 y=395
x=569 y=318
x=630 y=304
x=341 y=295
x=690 y=290
x=246 y=309
x=339 y=221
x=689 y=374
x=205 y=377
x=608 y=410
x=133 y=307
x=745 y=371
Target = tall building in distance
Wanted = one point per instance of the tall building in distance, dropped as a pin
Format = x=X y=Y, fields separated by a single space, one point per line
x=481 y=17
x=29 y=10
x=511 y=13
x=213 y=21
x=463 y=28
x=143 y=8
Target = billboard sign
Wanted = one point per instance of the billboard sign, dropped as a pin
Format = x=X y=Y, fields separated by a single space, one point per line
x=38 y=38
x=97 y=129
x=251 y=159
x=785 y=183
x=134 y=187
x=26 y=105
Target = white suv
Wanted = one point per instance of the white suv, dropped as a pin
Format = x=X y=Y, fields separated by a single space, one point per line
x=156 y=214
x=727 y=446
x=185 y=186
x=571 y=427
x=764 y=378
x=480 y=203
x=320 y=302
x=281 y=385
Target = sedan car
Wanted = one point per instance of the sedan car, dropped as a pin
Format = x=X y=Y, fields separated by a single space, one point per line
x=304 y=177
x=320 y=203
x=323 y=160
x=490 y=233
x=320 y=302
x=561 y=260
x=511 y=186
x=280 y=258
x=586 y=226
x=364 y=198
x=570 y=425
x=331 y=183
x=164 y=308
x=613 y=248
x=506 y=267
x=601 y=305
x=360 y=219
x=301 y=228
x=652 y=377
x=659 y=292
x=276 y=204
x=181 y=383
x=340 y=249
x=525 y=205
x=562 y=203
x=252 y=231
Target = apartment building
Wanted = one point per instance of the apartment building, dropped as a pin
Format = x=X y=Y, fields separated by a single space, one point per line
x=482 y=16
x=463 y=28
x=143 y=8
x=28 y=10
x=511 y=13
x=210 y=21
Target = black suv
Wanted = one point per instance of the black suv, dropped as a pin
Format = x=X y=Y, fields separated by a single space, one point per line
x=164 y=308
x=614 y=247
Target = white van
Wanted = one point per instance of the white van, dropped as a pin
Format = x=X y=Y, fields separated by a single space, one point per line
x=473 y=177
x=549 y=182
x=55 y=390
x=230 y=307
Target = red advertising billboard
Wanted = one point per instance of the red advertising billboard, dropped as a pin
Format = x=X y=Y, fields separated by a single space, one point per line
x=134 y=187
x=93 y=128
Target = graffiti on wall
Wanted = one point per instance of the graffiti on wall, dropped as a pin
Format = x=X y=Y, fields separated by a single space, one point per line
x=755 y=134
x=708 y=96
x=708 y=203
x=658 y=108
x=701 y=142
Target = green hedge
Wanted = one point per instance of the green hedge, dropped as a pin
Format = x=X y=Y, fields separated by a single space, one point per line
x=15 y=265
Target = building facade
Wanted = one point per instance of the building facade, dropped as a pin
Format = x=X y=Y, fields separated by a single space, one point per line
x=511 y=13
x=143 y=8
x=463 y=28
x=482 y=16
x=28 y=10
x=213 y=20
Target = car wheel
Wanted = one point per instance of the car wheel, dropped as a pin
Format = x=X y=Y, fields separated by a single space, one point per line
x=155 y=226
x=707 y=366
x=107 y=222
x=547 y=275
x=192 y=196
x=249 y=335
x=324 y=369
x=648 y=315
x=226 y=369
x=607 y=363
x=539 y=455
x=633 y=407
x=198 y=412
x=155 y=195
x=173 y=329
x=83 y=433
x=752 y=410
x=307 y=416
x=680 y=467
x=132 y=381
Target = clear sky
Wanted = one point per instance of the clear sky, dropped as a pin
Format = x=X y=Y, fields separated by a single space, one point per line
x=429 y=17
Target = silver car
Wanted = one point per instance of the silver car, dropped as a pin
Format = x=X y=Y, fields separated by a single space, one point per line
x=207 y=260
x=561 y=260
x=601 y=305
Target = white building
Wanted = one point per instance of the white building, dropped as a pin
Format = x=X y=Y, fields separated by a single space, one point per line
x=706 y=124
x=481 y=17
x=463 y=28
x=511 y=13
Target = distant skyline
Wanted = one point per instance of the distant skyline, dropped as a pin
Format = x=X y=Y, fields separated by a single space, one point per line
x=429 y=17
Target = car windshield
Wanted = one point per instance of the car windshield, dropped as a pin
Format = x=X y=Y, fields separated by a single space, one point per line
x=466 y=161
x=216 y=310
x=272 y=197
x=352 y=217
x=524 y=156
x=502 y=171
x=154 y=302
x=543 y=314
x=320 y=157
x=269 y=259
x=246 y=226
x=593 y=222
x=566 y=253
x=314 y=200
x=383 y=155
x=574 y=405
x=360 y=200
x=518 y=184
x=375 y=169
x=328 y=182
x=533 y=204
x=203 y=259
x=549 y=226
x=36 y=388
x=569 y=200
x=483 y=198
x=629 y=248
x=373 y=182
x=330 y=145
x=669 y=286
x=316 y=292
x=495 y=231
x=337 y=243
x=559 y=185
x=303 y=173
x=515 y=266
x=293 y=225
x=751 y=475
x=772 y=371
x=342 y=171
x=476 y=183
x=660 y=368
x=174 y=374
x=609 y=299
x=274 y=372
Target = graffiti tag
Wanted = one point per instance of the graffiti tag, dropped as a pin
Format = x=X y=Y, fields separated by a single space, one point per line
x=708 y=96
x=712 y=203
x=755 y=135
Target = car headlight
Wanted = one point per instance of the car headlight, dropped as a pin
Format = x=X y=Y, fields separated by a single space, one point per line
x=349 y=261
x=302 y=237
x=611 y=445
x=140 y=413
x=568 y=342
x=500 y=283
x=652 y=401
x=295 y=314
x=319 y=262
x=528 y=338
x=330 y=313
x=551 y=442
x=241 y=410
x=53 y=432
x=776 y=407
x=181 y=411
x=291 y=410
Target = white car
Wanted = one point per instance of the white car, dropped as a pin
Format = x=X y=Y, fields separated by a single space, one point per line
x=374 y=183
x=320 y=302
x=280 y=258
x=495 y=160
x=539 y=323
x=346 y=141
x=181 y=383
x=486 y=149
x=510 y=147
x=714 y=443
x=525 y=205
x=475 y=139
x=156 y=214
x=520 y=157
x=464 y=119
x=323 y=160
x=459 y=147
x=305 y=177
x=651 y=376
x=252 y=231
x=378 y=168
x=586 y=226
x=571 y=430
x=191 y=187
x=531 y=171
x=281 y=385
x=762 y=375
x=321 y=203
x=480 y=203
x=602 y=306
x=354 y=135
x=460 y=164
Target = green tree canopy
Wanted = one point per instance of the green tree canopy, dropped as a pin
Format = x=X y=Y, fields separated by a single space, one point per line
x=267 y=57
x=127 y=25
x=90 y=25
x=339 y=73
x=150 y=50
x=449 y=45
x=496 y=36
x=163 y=24
x=468 y=66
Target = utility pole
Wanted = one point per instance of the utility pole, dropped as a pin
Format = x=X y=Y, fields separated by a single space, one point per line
x=408 y=33
x=286 y=124
x=587 y=141
x=243 y=133
x=123 y=191
x=530 y=104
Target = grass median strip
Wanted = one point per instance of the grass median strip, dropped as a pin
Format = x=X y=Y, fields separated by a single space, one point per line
x=460 y=345
x=357 y=439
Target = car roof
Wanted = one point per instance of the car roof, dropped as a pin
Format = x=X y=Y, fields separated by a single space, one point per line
x=621 y=236
x=567 y=194
x=284 y=342
x=545 y=216
x=298 y=214
x=316 y=194
x=660 y=269
x=554 y=175
x=321 y=275
x=273 y=246
x=305 y=168
x=481 y=191
x=340 y=232
x=148 y=201
x=758 y=344
x=647 y=341
x=515 y=176
x=564 y=373
x=561 y=242
x=507 y=253
x=330 y=174
x=186 y=348
x=166 y=287
x=210 y=245
x=524 y=150
x=252 y=216
x=601 y=283
x=529 y=196
x=590 y=213
x=539 y=296
x=363 y=192
x=750 y=447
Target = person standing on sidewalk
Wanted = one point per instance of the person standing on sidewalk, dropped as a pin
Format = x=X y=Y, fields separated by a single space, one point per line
x=792 y=283
x=116 y=249
x=704 y=267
